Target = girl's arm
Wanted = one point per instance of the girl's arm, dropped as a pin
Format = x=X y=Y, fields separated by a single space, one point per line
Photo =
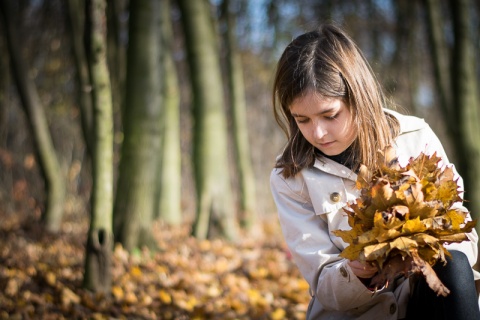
x=330 y=277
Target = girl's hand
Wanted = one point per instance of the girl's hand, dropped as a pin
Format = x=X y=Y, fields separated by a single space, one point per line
x=362 y=270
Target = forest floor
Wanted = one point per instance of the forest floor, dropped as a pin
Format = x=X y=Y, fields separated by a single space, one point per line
x=41 y=276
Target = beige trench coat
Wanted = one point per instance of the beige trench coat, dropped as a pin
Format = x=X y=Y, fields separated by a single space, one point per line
x=310 y=207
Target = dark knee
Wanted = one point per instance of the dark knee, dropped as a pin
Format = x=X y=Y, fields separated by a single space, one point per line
x=459 y=258
x=457 y=269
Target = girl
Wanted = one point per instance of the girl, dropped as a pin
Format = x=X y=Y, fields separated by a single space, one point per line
x=331 y=107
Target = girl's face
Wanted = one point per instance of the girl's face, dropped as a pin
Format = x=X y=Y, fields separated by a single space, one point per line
x=324 y=122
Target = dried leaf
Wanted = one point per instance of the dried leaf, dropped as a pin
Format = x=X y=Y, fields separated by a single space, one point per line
x=431 y=277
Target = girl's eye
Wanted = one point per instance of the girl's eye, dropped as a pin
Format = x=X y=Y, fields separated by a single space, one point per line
x=302 y=120
x=332 y=117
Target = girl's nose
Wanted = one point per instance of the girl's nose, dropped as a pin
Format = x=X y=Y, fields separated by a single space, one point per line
x=319 y=132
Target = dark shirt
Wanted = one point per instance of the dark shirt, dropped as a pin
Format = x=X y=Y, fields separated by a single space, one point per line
x=345 y=158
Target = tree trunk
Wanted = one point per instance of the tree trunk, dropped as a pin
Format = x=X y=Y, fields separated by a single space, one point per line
x=169 y=198
x=5 y=80
x=135 y=201
x=237 y=103
x=100 y=238
x=466 y=103
x=116 y=58
x=49 y=164
x=215 y=214
x=76 y=19
x=440 y=59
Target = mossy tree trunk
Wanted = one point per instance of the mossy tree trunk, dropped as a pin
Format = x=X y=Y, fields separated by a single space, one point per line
x=236 y=89
x=100 y=237
x=169 y=193
x=116 y=53
x=215 y=213
x=76 y=23
x=135 y=200
x=47 y=158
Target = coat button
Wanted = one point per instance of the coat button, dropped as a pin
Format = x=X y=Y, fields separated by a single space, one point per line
x=393 y=308
x=335 y=197
x=343 y=272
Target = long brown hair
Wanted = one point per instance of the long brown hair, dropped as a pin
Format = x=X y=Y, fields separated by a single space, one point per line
x=327 y=61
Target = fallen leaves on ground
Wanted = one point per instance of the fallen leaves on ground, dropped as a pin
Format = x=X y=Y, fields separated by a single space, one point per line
x=41 y=277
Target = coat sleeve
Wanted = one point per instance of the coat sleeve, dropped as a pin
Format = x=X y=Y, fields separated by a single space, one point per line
x=307 y=237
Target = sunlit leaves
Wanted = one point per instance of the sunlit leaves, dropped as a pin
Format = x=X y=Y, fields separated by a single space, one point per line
x=403 y=217
x=188 y=279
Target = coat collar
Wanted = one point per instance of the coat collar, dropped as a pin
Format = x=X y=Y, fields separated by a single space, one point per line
x=331 y=167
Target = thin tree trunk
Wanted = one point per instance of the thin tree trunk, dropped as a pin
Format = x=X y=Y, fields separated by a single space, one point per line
x=169 y=197
x=49 y=164
x=440 y=59
x=5 y=80
x=100 y=237
x=116 y=58
x=215 y=214
x=76 y=22
x=135 y=201
x=240 y=132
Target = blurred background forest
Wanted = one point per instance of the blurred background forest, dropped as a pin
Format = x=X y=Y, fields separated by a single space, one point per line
x=147 y=119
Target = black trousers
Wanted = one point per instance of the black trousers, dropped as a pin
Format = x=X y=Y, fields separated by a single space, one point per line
x=460 y=304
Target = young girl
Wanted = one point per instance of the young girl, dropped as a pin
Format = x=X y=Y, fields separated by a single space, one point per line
x=330 y=105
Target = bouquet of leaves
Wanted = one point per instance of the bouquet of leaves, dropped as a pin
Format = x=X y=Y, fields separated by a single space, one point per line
x=403 y=217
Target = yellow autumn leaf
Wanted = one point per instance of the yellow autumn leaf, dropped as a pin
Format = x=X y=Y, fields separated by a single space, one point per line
x=447 y=193
x=278 y=314
x=302 y=284
x=349 y=236
x=352 y=252
x=449 y=238
x=456 y=218
x=375 y=251
x=368 y=236
x=388 y=235
x=403 y=244
x=259 y=273
x=423 y=238
x=413 y=226
x=189 y=304
x=130 y=298
x=50 y=278
x=117 y=292
x=382 y=195
x=165 y=297
x=136 y=272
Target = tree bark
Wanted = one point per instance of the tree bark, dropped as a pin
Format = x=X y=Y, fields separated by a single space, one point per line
x=49 y=164
x=116 y=58
x=76 y=22
x=169 y=197
x=135 y=200
x=100 y=238
x=440 y=58
x=238 y=106
x=5 y=80
x=215 y=214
